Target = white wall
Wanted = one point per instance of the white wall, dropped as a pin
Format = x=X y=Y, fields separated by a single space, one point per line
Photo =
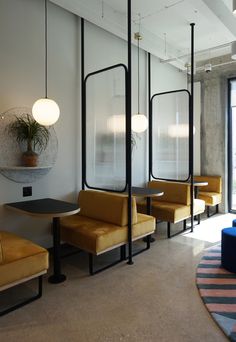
x=22 y=82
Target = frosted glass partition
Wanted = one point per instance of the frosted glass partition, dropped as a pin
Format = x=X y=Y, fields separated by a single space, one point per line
x=170 y=135
x=105 y=129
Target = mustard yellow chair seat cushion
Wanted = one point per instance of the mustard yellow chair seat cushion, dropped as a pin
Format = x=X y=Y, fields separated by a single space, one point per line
x=198 y=207
x=20 y=258
x=172 y=212
x=97 y=236
x=167 y=211
x=211 y=198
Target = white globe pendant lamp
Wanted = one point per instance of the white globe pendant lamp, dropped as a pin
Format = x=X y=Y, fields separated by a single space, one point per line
x=46 y=111
x=139 y=121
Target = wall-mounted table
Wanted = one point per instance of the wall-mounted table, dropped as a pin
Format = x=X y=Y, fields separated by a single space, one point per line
x=53 y=209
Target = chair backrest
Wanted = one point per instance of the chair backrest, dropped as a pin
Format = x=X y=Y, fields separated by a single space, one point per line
x=175 y=192
x=106 y=206
x=214 y=183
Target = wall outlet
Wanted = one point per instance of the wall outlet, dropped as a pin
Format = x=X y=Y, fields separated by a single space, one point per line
x=27 y=191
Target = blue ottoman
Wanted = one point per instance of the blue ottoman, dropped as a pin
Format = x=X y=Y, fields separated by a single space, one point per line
x=234 y=223
x=228 y=249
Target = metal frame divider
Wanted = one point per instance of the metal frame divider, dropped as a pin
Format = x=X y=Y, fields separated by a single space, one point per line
x=191 y=125
x=151 y=175
x=128 y=105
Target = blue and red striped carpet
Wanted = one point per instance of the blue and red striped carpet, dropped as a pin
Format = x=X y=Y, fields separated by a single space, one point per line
x=217 y=288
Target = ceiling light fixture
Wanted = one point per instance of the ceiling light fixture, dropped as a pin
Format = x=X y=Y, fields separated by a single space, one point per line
x=234 y=7
x=139 y=121
x=46 y=111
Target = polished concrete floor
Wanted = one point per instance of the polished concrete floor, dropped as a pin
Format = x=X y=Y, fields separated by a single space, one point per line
x=155 y=299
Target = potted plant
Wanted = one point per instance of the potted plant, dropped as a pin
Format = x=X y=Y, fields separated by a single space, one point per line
x=30 y=134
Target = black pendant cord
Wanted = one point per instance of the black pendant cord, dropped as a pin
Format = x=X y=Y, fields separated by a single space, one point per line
x=138 y=76
x=46 y=49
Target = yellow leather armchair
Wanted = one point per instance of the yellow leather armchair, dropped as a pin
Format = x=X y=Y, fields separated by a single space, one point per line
x=101 y=224
x=20 y=261
x=212 y=193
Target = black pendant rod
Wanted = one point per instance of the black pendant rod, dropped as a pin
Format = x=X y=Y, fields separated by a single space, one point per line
x=191 y=124
x=138 y=76
x=150 y=118
x=46 y=48
x=128 y=133
x=83 y=100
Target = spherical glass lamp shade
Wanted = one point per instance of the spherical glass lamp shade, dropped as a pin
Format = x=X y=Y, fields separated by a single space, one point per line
x=139 y=123
x=233 y=50
x=46 y=111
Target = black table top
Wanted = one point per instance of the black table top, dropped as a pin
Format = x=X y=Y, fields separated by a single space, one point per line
x=146 y=192
x=45 y=207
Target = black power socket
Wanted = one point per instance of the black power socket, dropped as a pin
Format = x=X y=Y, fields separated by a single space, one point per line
x=27 y=191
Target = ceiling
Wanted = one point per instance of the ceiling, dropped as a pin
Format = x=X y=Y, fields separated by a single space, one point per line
x=165 y=25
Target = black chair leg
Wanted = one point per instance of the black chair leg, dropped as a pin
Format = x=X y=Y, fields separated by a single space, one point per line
x=198 y=219
x=122 y=253
x=148 y=241
x=168 y=230
x=184 y=224
x=208 y=211
x=216 y=211
x=19 y=305
x=91 y=264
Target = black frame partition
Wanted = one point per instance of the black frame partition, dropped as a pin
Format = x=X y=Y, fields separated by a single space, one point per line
x=115 y=66
x=128 y=106
x=151 y=134
x=191 y=125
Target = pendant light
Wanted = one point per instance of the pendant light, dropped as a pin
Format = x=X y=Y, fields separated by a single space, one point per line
x=139 y=121
x=234 y=7
x=46 y=111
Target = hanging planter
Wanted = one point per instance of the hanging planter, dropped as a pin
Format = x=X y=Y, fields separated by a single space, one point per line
x=31 y=134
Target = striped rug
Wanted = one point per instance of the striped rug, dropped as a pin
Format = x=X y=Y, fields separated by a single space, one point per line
x=217 y=288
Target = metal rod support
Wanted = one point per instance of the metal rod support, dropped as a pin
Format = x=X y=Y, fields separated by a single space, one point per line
x=83 y=100
x=191 y=124
x=128 y=134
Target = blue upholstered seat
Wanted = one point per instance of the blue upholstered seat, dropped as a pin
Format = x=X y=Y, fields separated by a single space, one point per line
x=234 y=223
x=228 y=249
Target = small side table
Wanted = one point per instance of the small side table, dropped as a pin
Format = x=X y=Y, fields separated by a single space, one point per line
x=54 y=209
x=149 y=193
x=196 y=185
